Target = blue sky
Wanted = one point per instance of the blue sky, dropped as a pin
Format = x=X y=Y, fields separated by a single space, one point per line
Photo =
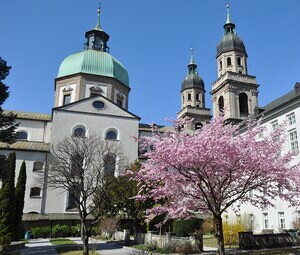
x=153 y=40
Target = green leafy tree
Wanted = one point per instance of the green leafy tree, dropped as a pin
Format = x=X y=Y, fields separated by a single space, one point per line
x=19 y=195
x=7 y=202
x=7 y=120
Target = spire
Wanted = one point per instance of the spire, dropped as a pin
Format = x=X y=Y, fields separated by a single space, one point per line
x=97 y=38
x=98 y=25
x=229 y=26
x=192 y=57
x=192 y=66
x=228 y=13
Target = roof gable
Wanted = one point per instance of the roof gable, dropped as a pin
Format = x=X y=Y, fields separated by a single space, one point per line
x=97 y=105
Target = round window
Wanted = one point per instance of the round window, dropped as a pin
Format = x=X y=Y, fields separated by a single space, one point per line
x=98 y=104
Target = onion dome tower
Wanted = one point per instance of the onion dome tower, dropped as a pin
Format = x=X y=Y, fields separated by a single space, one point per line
x=193 y=98
x=91 y=72
x=235 y=92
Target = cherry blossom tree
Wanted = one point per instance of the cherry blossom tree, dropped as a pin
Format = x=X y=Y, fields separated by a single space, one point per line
x=213 y=169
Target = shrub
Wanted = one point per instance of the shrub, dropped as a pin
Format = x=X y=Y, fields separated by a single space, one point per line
x=41 y=232
x=186 y=227
x=61 y=230
x=185 y=248
x=231 y=232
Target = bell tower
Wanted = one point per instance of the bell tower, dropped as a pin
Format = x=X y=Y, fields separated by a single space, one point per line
x=234 y=93
x=193 y=98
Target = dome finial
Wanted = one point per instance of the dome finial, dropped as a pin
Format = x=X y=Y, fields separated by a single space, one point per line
x=192 y=57
x=228 y=21
x=98 y=26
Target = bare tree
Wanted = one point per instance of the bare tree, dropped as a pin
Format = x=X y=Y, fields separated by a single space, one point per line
x=83 y=166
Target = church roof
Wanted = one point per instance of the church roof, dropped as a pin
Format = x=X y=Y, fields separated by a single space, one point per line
x=94 y=62
x=29 y=115
x=26 y=145
x=288 y=97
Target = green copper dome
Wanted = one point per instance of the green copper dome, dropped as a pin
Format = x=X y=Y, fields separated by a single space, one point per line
x=94 y=62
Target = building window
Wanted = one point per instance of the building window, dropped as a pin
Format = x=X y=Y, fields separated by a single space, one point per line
x=119 y=103
x=38 y=165
x=221 y=103
x=67 y=99
x=291 y=118
x=198 y=125
x=221 y=65
x=22 y=135
x=293 y=141
x=228 y=61
x=183 y=99
x=98 y=105
x=111 y=135
x=265 y=221
x=239 y=61
x=79 y=132
x=197 y=96
x=274 y=124
x=35 y=192
x=281 y=220
x=77 y=161
x=243 y=102
x=109 y=164
x=189 y=97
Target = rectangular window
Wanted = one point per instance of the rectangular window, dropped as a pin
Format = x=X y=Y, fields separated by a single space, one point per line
x=274 y=124
x=293 y=141
x=281 y=220
x=67 y=99
x=35 y=192
x=120 y=103
x=38 y=165
x=291 y=118
x=265 y=221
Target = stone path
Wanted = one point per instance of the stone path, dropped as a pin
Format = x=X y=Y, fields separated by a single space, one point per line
x=39 y=247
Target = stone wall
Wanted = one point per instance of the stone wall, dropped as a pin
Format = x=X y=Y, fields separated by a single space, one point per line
x=249 y=241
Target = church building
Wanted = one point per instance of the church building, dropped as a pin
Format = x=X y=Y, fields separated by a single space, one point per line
x=92 y=92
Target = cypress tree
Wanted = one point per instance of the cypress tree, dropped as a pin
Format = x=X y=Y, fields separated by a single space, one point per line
x=7 y=202
x=20 y=194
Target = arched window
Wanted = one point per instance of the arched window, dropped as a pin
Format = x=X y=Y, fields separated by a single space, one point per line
x=243 y=103
x=111 y=135
x=183 y=99
x=22 y=135
x=228 y=61
x=239 y=61
x=221 y=103
x=79 y=131
x=35 y=192
x=221 y=65
x=109 y=164
x=189 y=97
x=197 y=96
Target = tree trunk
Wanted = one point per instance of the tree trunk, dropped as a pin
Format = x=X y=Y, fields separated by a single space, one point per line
x=219 y=234
x=84 y=237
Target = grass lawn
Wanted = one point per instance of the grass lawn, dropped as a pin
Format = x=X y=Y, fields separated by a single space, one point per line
x=61 y=241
